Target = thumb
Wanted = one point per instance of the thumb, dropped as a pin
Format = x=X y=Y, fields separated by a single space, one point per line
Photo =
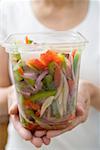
x=13 y=109
x=79 y=110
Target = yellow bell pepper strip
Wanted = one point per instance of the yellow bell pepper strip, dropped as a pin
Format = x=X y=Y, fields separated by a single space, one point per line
x=55 y=112
x=64 y=61
x=42 y=95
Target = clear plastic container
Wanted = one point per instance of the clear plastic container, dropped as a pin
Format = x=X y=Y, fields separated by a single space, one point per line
x=46 y=73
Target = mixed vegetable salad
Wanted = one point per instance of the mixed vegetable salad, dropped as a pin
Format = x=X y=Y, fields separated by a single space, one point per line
x=46 y=88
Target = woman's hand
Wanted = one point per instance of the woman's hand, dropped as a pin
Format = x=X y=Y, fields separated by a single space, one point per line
x=38 y=138
x=83 y=104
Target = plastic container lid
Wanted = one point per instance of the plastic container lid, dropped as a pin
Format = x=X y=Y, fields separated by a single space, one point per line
x=43 y=40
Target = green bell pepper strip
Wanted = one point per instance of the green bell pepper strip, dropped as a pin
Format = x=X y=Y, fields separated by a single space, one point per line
x=17 y=75
x=75 y=62
x=42 y=95
x=48 y=82
x=55 y=111
x=51 y=68
x=30 y=41
x=30 y=81
x=48 y=79
x=21 y=100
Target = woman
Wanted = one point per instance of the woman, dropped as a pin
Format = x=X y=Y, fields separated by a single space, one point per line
x=50 y=15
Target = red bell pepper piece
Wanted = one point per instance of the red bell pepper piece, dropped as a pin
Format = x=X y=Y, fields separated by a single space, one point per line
x=50 y=56
x=36 y=63
x=74 y=52
x=20 y=70
x=26 y=40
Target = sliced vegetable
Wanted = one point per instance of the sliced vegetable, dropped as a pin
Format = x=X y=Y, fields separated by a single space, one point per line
x=24 y=92
x=30 y=75
x=71 y=84
x=51 y=68
x=27 y=124
x=48 y=82
x=48 y=79
x=29 y=104
x=69 y=70
x=37 y=113
x=36 y=63
x=45 y=87
x=16 y=57
x=42 y=95
x=57 y=76
x=64 y=60
x=31 y=82
x=28 y=41
x=35 y=106
x=21 y=100
x=17 y=76
x=65 y=94
x=75 y=61
x=46 y=104
x=29 y=66
x=74 y=52
x=46 y=57
x=60 y=104
x=50 y=56
x=59 y=89
x=72 y=117
x=55 y=111
x=20 y=70
x=37 y=120
x=40 y=78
